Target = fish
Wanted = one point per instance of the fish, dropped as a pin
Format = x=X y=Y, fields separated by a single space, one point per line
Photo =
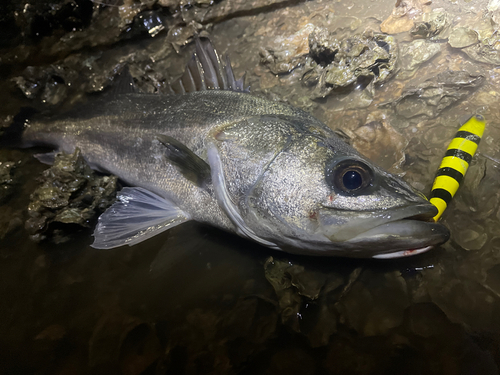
x=212 y=152
x=455 y=163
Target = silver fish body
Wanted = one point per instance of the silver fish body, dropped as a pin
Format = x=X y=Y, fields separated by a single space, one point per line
x=120 y=137
x=274 y=174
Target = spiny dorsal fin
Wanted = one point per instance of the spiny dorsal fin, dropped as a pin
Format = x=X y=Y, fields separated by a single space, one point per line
x=206 y=71
x=123 y=83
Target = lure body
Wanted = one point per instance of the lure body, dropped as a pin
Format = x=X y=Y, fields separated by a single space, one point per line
x=456 y=162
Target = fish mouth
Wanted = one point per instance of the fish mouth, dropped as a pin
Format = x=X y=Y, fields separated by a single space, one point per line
x=401 y=232
x=402 y=253
x=402 y=238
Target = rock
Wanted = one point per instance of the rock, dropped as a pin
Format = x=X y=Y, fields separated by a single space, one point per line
x=493 y=5
x=323 y=46
x=139 y=350
x=308 y=283
x=471 y=239
x=477 y=195
x=171 y=4
x=49 y=85
x=69 y=193
x=10 y=221
x=437 y=93
x=416 y=53
x=151 y=22
x=341 y=63
x=288 y=298
x=329 y=63
x=466 y=302
x=180 y=35
x=220 y=10
x=381 y=143
x=214 y=340
x=462 y=37
x=291 y=283
x=6 y=179
x=29 y=83
x=325 y=326
x=287 y=53
x=375 y=307
x=486 y=51
x=122 y=341
x=402 y=16
x=478 y=38
x=396 y=25
x=427 y=320
x=434 y=25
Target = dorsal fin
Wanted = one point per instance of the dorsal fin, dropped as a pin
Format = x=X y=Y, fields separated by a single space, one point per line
x=123 y=83
x=206 y=71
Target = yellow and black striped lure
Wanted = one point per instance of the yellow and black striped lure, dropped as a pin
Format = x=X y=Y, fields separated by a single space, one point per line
x=456 y=162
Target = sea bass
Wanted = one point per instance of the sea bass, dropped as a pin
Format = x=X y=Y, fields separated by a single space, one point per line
x=218 y=155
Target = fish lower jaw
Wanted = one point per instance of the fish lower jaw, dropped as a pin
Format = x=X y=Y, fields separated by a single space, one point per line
x=396 y=239
x=403 y=253
x=401 y=238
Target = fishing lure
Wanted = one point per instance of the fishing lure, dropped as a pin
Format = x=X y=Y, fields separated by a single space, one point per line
x=456 y=162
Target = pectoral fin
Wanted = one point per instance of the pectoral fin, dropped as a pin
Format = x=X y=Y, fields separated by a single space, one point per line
x=192 y=167
x=47 y=158
x=137 y=215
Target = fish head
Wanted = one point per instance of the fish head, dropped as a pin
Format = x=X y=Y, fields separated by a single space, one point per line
x=301 y=189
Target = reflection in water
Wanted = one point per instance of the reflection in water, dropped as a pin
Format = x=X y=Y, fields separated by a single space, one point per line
x=196 y=300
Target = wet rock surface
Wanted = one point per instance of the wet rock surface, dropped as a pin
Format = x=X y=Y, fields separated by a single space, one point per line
x=434 y=25
x=477 y=37
x=434 y=95
x=378 y=139
x=11 y=219
x=462 y=37
x=288 y=53
x=403 y=16
x=6 y=179
x=340 y=63
x=291 y=283
x=196 y=300
x=69 y=193
x=416 y=53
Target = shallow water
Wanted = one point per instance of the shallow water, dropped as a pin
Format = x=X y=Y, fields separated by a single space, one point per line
x=197 y=300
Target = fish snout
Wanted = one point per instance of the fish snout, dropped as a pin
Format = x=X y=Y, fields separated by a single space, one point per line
x=387 y=233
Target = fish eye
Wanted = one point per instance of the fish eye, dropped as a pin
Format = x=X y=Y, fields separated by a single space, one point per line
x=352 y=180
x=349 y=176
